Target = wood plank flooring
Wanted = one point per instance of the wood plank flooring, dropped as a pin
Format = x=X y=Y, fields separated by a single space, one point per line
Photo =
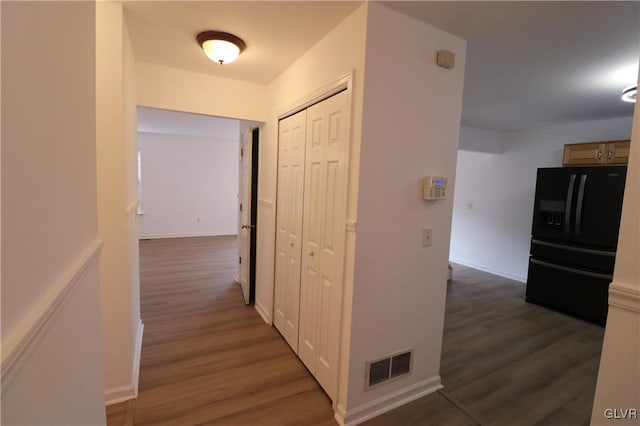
x=432 y=410
x=510 y=362
x=121 y=414
x=209 y=359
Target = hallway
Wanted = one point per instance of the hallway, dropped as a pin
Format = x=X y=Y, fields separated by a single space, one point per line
x=209 y=358
x=206 y=356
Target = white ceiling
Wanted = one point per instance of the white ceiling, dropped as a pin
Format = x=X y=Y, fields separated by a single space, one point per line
x=528 y=63
x=276 y=33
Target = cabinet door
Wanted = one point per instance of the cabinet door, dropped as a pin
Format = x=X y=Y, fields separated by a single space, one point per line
x=291 y=146
x=323 y=239
x=583 y=154
x=617 y=152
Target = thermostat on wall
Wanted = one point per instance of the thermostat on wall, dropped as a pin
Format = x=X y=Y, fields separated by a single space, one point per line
x=434 y=188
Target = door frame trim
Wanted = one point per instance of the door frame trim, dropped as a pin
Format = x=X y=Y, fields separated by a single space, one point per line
x=254 y=202
x=342 y=83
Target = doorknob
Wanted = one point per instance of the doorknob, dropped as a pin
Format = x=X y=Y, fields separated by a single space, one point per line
x=247 y=226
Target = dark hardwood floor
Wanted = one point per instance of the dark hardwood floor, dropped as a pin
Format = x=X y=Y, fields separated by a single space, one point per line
x=209 y=359
x=510 y=362
x=432 y=410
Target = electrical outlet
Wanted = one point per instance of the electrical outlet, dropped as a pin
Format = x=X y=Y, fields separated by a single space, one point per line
x=426 y=237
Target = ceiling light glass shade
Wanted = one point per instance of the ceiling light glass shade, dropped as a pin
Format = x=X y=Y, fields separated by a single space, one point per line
x=221 y=51
x=220 y=47
x=629 y=94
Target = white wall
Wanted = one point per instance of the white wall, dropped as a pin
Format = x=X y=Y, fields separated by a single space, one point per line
x=51 y=338
x=493 y=202
x=117 y=193
x=411 y=123
x=189 y=185
x=480 y=140
x=169 y=88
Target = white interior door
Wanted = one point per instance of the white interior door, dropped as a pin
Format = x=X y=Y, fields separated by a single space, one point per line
x=323 y=239
x=244 y=215
x=291 y=146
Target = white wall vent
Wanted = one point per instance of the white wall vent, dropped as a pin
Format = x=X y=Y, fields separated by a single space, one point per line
x=388 y=368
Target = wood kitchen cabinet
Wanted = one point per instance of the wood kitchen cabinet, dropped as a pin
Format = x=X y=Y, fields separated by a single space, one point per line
x=617 y=152
x=596 y=153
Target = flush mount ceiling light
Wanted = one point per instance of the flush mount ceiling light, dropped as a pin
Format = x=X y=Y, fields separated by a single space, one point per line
x=629 y=94
x=220 y=47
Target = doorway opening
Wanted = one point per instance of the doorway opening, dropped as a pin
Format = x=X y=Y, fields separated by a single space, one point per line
x=191 y=182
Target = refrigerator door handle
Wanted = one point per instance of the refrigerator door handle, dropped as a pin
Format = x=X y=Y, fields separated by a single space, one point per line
x=567 y=208
x=583 y=183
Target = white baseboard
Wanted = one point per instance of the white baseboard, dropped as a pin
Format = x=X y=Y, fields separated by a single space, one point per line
x=519 y=278
x=125 y=393
x=119 y=394
x=263 y=313
x=388 y=402
x=159 y=236
x=624 y=296
x=339 y=414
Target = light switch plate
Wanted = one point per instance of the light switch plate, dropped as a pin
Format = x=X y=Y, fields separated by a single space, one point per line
x=426 y=237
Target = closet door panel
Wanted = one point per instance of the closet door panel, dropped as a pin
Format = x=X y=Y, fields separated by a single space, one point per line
x=323 y=238
x=332 y=259
x=312 y=236
x=282 y=235
x=290 y=198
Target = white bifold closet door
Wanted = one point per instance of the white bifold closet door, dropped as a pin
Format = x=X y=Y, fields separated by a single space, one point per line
x=291 y=146
x=323 y=234
x=310 y=222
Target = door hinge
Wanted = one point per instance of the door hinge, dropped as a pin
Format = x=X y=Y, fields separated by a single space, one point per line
x=240 y=206
x=241 y=152
x=240 y=260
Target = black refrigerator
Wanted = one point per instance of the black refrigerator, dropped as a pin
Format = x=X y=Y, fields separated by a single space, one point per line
x=576 y=220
